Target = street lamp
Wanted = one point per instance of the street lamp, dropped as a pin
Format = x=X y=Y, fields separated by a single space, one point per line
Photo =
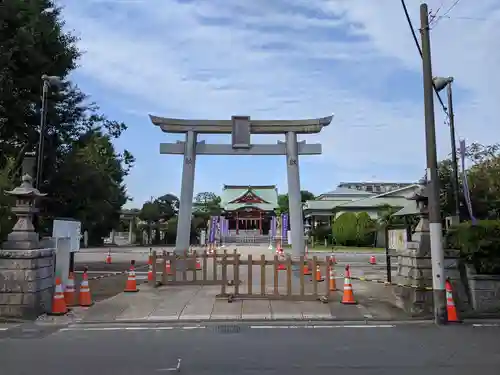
x=440 y=83
x=48 y=81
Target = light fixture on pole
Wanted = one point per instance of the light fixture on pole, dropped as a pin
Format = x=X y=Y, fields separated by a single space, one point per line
x=440 y=83
x=48 y=81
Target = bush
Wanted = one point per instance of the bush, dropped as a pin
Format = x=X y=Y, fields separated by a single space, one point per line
x=479 y=244
x=344 y=229
x=365 y=233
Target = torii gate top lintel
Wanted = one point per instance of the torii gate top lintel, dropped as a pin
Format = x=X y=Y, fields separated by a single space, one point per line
x=305 y=126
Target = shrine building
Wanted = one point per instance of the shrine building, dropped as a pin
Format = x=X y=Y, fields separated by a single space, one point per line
x=249 y=209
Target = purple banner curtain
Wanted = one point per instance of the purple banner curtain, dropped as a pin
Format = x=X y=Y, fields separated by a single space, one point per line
x=284 y=225
x=273 y=226
x=466 y=183
x=213 y=229
x=222 y=224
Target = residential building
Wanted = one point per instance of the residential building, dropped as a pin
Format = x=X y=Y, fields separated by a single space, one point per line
x=332 y=204
x=375 y=187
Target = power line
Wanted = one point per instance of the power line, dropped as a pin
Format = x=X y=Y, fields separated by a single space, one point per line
x=437 y=18
x=412 y=29
x=450 y=8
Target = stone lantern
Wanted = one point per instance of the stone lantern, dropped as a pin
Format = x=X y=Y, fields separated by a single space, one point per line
x=421 y=199
x=23 y=236
x=26 y=267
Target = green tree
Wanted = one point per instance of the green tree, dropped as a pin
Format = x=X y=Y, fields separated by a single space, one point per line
x=168 y=206
x=283 y=203
x=88 y=185
x=207 y=204
x=6 y=183
x=33 y=43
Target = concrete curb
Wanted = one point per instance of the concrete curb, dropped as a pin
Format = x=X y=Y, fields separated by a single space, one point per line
x=249 y=321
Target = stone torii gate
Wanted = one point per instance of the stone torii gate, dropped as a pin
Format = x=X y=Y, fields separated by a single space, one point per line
x=241 y=128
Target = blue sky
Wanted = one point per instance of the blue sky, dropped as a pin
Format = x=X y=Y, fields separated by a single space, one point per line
x=285 y=59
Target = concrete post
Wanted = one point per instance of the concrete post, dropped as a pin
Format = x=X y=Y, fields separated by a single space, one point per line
x=294 y=198
x=187 y=190
x=131 y=231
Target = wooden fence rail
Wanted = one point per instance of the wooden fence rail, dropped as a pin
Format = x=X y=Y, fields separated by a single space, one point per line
x=292 y=266
x=183 y=268
x=216 y=270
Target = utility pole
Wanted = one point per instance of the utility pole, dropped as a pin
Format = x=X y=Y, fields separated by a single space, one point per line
x=435 y=225
x=455 y=184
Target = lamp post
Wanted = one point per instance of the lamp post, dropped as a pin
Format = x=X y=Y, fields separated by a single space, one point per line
x=48 y=81
x=440 y=83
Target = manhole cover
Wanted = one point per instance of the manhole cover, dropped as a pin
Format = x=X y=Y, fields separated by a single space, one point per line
x=228 y=328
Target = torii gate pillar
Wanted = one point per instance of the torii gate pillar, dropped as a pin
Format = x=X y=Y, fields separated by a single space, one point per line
x=241 y=128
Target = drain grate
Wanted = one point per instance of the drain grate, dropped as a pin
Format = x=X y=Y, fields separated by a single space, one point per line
x=228 y=328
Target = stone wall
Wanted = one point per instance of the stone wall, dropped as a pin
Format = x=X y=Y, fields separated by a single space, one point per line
x=485 y=291
x=414 y=280
x=26 y=282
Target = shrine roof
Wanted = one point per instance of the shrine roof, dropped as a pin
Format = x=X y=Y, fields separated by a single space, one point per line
x=263 y=197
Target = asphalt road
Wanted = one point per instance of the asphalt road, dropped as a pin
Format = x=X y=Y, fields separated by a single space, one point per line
x=243 y=349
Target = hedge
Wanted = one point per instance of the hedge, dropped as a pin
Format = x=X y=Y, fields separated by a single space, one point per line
x=350 y=229
x=479 y=244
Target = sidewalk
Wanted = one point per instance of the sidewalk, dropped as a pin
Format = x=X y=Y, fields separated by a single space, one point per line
x=199 y=303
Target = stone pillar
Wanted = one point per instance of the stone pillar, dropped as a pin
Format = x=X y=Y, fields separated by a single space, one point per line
x=294 y=198
x=413 y=290
x=26 y=269
x=187 y=190
x=131 y=231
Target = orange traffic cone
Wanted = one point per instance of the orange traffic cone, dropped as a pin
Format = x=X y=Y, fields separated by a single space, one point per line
x=69 y=291
x=451 y=310
x=108 y=257
x=150 y=271
x=333 y=284
x=281 y=258
x=198 y=265
x=58 y=304
x=169 y=269
x=307 y=270
x=348 y=296
x=333 y=260
x=318 y=274
x=373 y=260
x=85 y=299
x=131 y=285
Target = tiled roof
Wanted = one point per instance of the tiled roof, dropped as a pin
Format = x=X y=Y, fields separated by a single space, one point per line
x=346 y=191
x=375 y=202
x=267 y=193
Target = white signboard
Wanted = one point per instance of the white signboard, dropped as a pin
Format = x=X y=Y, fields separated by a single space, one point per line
x=71 y=229
x=397 y=239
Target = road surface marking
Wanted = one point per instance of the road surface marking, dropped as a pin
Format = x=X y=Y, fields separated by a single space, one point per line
x=325 y=326
x=145 y=328
x=487 y=325
x=3 y=329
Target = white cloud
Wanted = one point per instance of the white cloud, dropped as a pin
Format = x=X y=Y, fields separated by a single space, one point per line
x=297 y=59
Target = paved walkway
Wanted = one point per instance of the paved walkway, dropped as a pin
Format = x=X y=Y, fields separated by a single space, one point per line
x=199 y=303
